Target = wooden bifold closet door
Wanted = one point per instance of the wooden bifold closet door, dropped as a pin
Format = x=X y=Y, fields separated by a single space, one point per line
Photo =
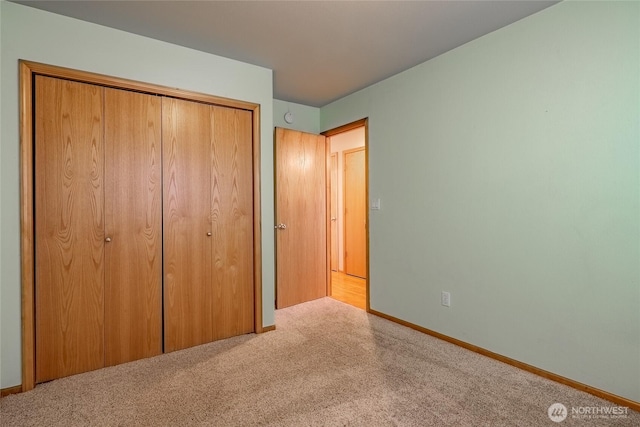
x=208 y=223
x=140 y=220
x=97 y=227
x=128 y=184
x=133 y=224
x=69 y=228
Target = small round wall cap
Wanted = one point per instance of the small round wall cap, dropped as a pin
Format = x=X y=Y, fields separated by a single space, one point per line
x=288 y=117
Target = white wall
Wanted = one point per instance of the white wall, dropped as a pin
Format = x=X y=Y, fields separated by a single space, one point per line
x=508 y=171
x=339 y=143
x=305 y=118
x=34 y=35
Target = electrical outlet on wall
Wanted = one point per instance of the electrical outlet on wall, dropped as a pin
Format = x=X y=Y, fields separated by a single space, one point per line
x=445 y=299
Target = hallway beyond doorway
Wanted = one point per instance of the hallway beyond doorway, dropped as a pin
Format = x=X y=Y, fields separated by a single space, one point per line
x=349 y=289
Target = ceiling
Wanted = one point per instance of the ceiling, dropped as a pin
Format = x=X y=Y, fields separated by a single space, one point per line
x=319 y=51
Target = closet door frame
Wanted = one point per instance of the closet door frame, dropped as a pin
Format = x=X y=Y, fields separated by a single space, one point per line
x=28 y=71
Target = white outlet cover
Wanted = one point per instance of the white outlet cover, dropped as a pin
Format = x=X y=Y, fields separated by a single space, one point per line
x=445 y=299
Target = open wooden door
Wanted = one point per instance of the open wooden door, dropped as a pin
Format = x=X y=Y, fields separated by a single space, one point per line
x=301 y=217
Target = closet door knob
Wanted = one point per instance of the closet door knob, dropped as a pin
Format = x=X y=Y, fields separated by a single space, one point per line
x=209 y=233
x=108 y=239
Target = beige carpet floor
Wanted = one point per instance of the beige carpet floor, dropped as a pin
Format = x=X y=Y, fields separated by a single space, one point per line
x=327 y=364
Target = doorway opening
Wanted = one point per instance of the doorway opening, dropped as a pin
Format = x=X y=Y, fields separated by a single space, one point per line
x=348 y=209
x=315 y=255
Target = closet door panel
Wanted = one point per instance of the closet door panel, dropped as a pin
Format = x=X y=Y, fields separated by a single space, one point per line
x=69 y=228
x=186 y=133
x=133 y=252
x=232 y=222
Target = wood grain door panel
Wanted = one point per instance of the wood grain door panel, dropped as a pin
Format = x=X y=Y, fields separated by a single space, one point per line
x=141 y=214
x=334 y=213
x=133 y=257
x=355 y=211
x=188 y=296
x=69 y=228
x=301 y=168
x=232 y=222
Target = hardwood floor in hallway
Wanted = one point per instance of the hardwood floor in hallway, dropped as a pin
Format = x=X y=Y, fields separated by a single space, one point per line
x=349 y=289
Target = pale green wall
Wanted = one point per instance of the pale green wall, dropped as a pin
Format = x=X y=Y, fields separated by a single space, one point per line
x=518 y=159
x=509 y=175
x=39 y=36
x=306 y=119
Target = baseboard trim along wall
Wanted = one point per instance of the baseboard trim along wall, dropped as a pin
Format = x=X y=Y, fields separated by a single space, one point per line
x=10 y=390
x=622 y=401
